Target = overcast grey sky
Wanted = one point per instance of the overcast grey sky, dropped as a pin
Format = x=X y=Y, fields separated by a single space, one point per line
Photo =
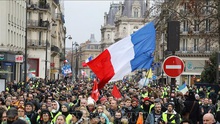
x=83 y=18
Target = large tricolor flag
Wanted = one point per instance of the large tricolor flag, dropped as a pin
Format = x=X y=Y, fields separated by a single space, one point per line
x=127 y=55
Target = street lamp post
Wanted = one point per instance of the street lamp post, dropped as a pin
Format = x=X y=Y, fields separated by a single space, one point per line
x=64 y=52
x=76 y=66
x=76 y=62
x=46 y=55
x=25 y=47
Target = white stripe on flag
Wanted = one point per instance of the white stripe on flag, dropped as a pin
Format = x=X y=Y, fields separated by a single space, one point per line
x=173 y=66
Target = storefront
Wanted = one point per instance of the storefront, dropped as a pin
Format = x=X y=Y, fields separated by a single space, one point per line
x=7 y=67
x=192 y=71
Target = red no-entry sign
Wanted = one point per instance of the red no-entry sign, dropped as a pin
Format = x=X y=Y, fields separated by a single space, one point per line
x=173 y=66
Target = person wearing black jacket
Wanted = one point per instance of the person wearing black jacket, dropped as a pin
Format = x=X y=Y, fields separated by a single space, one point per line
x=191 y=107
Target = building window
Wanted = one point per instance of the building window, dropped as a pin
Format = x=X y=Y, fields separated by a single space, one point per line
x=40 y=37
x=207 y=45
x=92 y=47
x=196 y=25
x=185 y=6
x=135 y=29
x=207 y=24
x=195 y=45
x=185 y=25
x=33 y=64
x=9 y=37
x=124 y=29
x=207 y=10
x=108 y=36
x=135 y=12
x=184 y=45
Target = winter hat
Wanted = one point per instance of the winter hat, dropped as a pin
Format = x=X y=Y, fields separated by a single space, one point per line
x=103 y=100
x=134 y=99
x=29 y=103
x=146 y=99
x=67 y=106
x=170 y=103
x=157 y=100
x=78 y=114
x=12 y=112
x=191 y=95
x=90 y=101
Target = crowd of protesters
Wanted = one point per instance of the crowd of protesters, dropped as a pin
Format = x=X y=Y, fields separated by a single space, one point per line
x=61 y=102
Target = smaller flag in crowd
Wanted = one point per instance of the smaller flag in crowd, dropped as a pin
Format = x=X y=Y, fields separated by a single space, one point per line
x=84 y=64
x=95 y=92
x=143 y=82
x=66 y=69
x=149 y=73
x=115 y=92
x=66 y=61
x=183 y=88
x=83 y=73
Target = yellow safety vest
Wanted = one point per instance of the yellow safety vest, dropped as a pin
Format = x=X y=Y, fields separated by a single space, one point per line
x=151 y=106
x=218 y=108
x=164 y=117
x=68 y=118
x=144 y=95
x=55 y=117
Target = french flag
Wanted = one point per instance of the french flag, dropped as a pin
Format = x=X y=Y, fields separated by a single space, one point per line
x=84 y=64
x=66 y=61
x=127 y=55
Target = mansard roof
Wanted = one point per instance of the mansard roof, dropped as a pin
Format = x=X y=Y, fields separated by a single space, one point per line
x=127 y=11
x=114 y=7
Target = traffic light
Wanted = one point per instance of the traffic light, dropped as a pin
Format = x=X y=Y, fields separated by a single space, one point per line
x=173 y=36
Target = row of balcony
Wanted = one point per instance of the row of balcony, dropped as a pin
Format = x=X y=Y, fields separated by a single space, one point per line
x=189 y=50
x=60 y=16
x=57 y=1
x=55 y=49
x=38 y=24
x=40 y=6
x=42 y=44
x=36 y=43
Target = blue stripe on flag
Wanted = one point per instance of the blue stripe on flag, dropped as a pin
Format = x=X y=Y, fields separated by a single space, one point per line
x=144 y=46
x=182 y=87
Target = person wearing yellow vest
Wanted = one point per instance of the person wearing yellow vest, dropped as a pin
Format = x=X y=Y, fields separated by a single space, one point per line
x=45 y=117
x=153 y=117
x=76 y=117
x=217 y=111
x=170 y=116
x=29 y=111
x=146 y=105
x=55 y=110
x=65 y=111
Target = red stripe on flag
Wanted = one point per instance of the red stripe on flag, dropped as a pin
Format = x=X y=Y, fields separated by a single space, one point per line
x=102 y=67
x=84 y=64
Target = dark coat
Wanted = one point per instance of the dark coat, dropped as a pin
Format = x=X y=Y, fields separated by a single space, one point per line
x=195 y=110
